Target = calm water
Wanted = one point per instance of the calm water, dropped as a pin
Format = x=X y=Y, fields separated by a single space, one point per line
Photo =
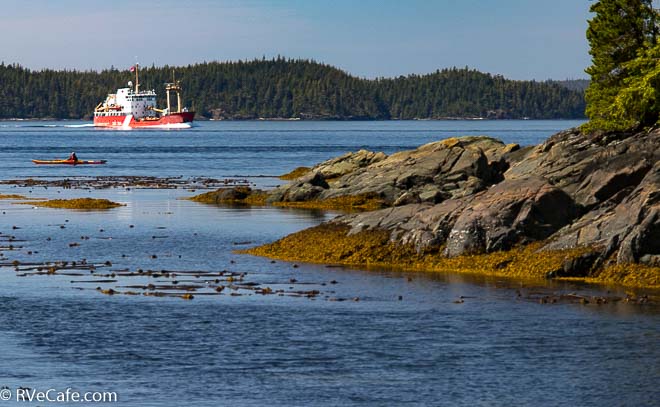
x=219 y=149
x=425 y=349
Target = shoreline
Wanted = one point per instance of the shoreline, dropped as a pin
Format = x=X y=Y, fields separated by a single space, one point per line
x=297 y=119
x=334 y=245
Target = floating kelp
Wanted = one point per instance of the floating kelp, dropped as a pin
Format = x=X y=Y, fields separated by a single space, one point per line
x=138 y=182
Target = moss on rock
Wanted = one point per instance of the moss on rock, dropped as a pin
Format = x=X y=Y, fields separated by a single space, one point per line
x=295 y=174
x=77 y=203
x=249 y=196
x=232 y=196
x=348 y=203
x=630 y=274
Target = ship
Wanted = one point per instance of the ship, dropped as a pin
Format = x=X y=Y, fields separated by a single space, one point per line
x=132 y=108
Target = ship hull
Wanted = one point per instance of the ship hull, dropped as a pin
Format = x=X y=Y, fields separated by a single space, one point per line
x=170 y=120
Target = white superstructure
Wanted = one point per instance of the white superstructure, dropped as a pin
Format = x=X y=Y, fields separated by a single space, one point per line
x=127 y=102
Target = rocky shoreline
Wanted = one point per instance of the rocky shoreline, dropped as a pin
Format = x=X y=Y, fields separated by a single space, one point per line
x=577 y=206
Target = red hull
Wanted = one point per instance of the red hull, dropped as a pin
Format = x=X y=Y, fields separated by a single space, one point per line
x=131 y=122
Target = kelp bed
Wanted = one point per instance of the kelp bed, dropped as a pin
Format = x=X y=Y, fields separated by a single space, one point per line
x=185 y=284
x=138 y=182
x=333 y=244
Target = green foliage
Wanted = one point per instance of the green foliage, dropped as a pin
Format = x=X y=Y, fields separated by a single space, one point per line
x=282 y=88
x=621 y=33
x=638 y=102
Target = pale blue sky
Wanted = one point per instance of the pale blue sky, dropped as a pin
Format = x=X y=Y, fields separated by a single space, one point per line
x=520 y=39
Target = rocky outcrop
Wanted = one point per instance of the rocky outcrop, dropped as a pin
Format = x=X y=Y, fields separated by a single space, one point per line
x=475 y=195
x=432 y=173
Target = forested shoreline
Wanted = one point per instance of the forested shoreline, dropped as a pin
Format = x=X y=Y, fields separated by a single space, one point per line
x=299 y=89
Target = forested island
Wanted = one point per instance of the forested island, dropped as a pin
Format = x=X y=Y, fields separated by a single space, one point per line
x=294 y=89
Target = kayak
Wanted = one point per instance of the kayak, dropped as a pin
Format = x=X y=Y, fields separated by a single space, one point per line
x=68 y=162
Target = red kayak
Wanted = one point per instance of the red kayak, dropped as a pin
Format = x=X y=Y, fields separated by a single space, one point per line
x=68 y=162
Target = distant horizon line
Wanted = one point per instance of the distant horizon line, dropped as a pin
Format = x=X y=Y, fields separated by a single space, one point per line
x=286 y=59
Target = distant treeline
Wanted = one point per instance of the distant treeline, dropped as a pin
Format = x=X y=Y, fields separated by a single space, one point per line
x=282 y=88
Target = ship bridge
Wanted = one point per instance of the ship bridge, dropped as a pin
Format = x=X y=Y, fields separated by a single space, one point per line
x=139 y=104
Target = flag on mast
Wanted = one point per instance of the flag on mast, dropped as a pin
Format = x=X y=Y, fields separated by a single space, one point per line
x=133 y=68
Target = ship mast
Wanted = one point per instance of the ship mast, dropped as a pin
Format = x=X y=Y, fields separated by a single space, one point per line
x=176 y=87
x=137 y=80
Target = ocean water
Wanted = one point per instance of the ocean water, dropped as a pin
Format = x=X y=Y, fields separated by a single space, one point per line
x=369 y=337
x=221 y=149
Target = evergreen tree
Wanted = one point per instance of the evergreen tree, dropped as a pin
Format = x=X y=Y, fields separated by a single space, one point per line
x=620 y=31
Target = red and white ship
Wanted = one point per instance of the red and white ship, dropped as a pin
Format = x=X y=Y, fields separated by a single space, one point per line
x=131 y=108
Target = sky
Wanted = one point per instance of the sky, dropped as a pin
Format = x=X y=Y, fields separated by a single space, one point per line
x=520 y=39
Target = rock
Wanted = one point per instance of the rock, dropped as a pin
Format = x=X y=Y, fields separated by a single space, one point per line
x=305 y=188
x=313 y=178
x=590 y=169
x=589 y=199
x=627 y=226
x=234 y=195
x=511 y=212
x=580 y=266
x=434 y=172
x=406 y=199
x=348 y=163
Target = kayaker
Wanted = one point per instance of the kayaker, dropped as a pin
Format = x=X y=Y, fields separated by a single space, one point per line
x=73 y=156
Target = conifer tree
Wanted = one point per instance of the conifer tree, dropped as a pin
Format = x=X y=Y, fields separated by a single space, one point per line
x=620 y=31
